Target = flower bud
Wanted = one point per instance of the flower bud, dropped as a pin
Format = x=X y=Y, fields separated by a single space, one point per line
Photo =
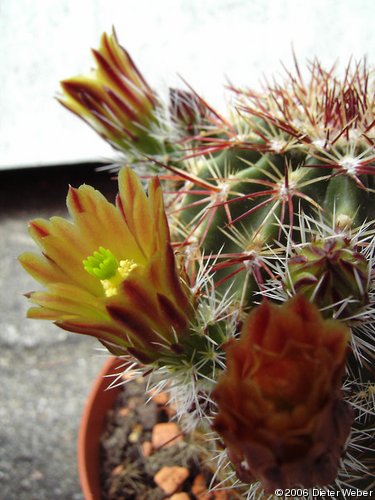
x=330 y=272
x=115 y=100
x=187 y=109
x=281 y=412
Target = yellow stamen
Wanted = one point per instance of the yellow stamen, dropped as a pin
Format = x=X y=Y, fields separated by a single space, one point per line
x=110 y=285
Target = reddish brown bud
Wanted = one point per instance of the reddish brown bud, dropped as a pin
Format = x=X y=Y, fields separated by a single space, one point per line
x=187 y=108
x=281 y=411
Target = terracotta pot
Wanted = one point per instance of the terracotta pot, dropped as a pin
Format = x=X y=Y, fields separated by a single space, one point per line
x=92 y=426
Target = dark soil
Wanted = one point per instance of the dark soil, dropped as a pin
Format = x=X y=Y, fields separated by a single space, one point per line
x=126 y=473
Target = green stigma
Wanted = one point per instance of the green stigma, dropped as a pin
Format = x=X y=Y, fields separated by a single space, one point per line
x=102 y=264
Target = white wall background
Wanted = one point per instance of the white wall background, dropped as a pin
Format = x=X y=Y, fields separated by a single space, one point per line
x=43 y=41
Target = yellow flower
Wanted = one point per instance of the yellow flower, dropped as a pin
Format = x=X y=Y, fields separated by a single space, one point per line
x=115 y=100
x=281 y=412
x=111 y=272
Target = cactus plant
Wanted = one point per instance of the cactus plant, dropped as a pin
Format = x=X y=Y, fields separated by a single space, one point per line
x=273 y=205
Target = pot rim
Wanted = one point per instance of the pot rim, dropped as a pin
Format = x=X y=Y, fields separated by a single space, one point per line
x=91 y=427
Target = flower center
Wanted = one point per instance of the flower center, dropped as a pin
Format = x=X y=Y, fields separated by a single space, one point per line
x=102 y=264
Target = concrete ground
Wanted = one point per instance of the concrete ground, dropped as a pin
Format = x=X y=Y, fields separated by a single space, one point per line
x=45 y=372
